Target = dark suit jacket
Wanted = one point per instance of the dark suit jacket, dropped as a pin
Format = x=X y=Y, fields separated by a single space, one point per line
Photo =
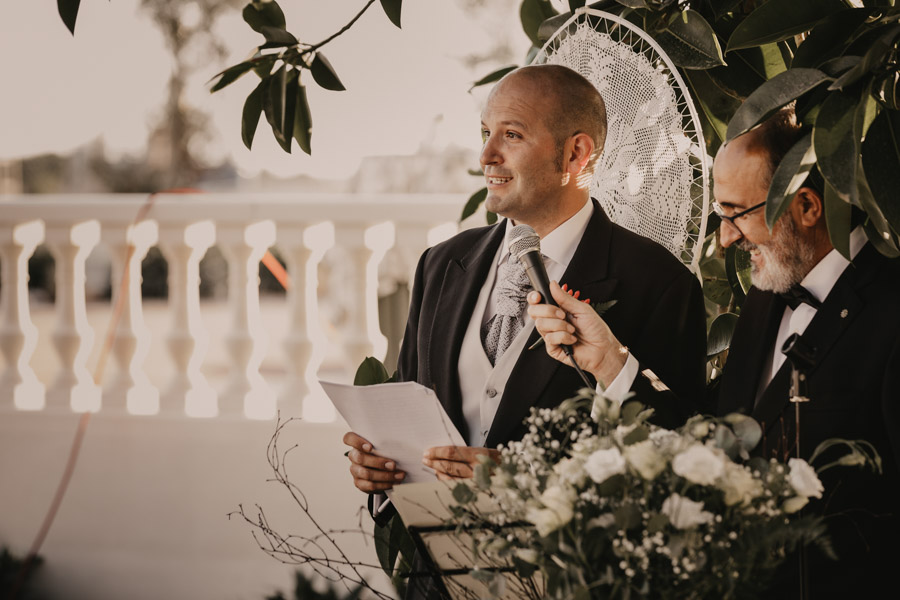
x=659 y=315
x=854 y=389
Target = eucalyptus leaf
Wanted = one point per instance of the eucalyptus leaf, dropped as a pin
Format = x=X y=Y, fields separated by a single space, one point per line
x=837 y=216
x=532 y=13
x=253 y=107
x=881 y=162
x=371 y=371
x=726 y=440
x=303 y=121
x=776 y=21
x=231 y=74
x=789 y=177
x=772 y=96
x=493 y=76
x=836 y=147
x=392 y=10
x=691 y=42
x=747 y=430
x=68 y=12
x=473 y=203
x=463 y=494
x=263 y=14
x=324 y=74
x=720 y=332
x=871 y=60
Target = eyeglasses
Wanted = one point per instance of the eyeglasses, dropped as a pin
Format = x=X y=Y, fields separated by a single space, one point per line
x=717 y=208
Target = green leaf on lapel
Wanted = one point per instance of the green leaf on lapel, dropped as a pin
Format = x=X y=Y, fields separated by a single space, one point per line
x=719 y=338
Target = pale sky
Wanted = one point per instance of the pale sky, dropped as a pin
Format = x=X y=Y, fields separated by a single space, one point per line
x=108 y=81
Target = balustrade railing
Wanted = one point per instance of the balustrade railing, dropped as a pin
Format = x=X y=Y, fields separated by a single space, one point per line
x=305 y=228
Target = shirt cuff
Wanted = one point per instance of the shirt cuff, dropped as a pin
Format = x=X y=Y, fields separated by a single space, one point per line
x=621 y=385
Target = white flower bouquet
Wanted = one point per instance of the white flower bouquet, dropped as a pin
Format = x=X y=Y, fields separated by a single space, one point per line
x=622 y=508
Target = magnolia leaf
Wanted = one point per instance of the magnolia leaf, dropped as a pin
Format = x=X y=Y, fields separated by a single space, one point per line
x=371 y=371
x=789 y=178
x=253 y=107
x=551 y=26
x=276 y=37
x=881 y=162
x=837 y=66
x=829 y=37
x=731 y=271
x=68 y=12
x=302 y=130
x=231 y=74
x=324 y=74
x=772 y=96
x=392 y=10
x=532 y=13
x=493 y=76
x=263 y=14
x=776 y=21
x=877 y=227
x=473 y=203
x=691 y=42
x=717 y=105
x=872 y=59
x=836 y=146
x=576 y=4
x=720 y=332
x=280 y=105
x=463 y=494
x=837 y=217
x=633 y=3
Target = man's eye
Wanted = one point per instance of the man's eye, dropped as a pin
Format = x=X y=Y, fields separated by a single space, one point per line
x=485 y=134
x=513 y=135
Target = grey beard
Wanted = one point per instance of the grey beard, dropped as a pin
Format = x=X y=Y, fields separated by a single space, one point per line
x=787 y=257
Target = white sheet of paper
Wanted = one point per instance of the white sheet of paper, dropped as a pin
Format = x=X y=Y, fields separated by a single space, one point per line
x=401 y=420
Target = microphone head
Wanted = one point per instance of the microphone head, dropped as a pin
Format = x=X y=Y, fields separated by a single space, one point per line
x=523 y=239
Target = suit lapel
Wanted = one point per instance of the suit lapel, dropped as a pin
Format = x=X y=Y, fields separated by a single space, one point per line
x=534 y=369
x=463 y=280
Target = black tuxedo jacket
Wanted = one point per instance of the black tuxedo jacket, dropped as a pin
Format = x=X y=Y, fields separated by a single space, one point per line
x=854 y=389
x=659 y=315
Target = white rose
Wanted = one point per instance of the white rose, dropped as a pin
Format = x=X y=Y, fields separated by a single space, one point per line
x=792 y=505
x=803 y=479
x=666 y=440
x=700 y=429
x=570 y=470
x=644 y=458
x=699 y=464
x=557 y=511
x=603 y=521
x=684 y=513
x=603 y=464
x=739 y=485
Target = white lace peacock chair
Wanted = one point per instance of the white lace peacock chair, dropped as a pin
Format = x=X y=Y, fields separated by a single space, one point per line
x=652 y=177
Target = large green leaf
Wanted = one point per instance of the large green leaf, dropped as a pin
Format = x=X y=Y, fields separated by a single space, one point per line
x=493 y=76
x=473 y=203
x=717 y=105
x=253 y=107
x=772 y=96
x=836 y=147
x=231 y=74
x=837 y=217
x=877 y=227
x=828 y=38
x=263 y=14
x=276 y=105
x=324 y=74
x=776 y=21
x=576 y=4
x=277 y=38
x=302 y=130
x=532 y=13
x=738 y=78
x=370 y=371
x=720 y=332
x=789 y=177
x=733 y=274
x=716 y=287
x=392 y=10
x=872 y=59
x=881 y=162
x=68 y=12
x=691 y=42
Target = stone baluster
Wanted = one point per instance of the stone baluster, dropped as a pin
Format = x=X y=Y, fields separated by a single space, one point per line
x=130 y=389
x=187 y=390
x=411 y=241
x=18 y=335
x=246 y=392
x=297 y=344
x=73 y=337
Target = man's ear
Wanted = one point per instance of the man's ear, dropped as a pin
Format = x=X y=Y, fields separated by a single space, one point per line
x=577 y=153
x=808 y=207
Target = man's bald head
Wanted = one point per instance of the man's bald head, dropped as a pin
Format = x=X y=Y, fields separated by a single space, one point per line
x=573 y=105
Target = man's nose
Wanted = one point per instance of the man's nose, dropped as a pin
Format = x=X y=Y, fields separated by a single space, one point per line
x=489 y=154
x=728 y=233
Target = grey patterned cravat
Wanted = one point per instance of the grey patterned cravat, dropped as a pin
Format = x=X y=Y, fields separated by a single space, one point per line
x=511 y=289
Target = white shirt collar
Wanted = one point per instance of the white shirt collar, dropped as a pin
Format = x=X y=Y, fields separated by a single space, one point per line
x=825 y=274
x=560 y=244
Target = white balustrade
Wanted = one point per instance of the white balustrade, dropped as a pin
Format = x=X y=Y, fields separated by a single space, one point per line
x=18 y=334
x=243 y=227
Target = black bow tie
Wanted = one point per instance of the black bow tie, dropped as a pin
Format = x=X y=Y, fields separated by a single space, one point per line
x=798 y=295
